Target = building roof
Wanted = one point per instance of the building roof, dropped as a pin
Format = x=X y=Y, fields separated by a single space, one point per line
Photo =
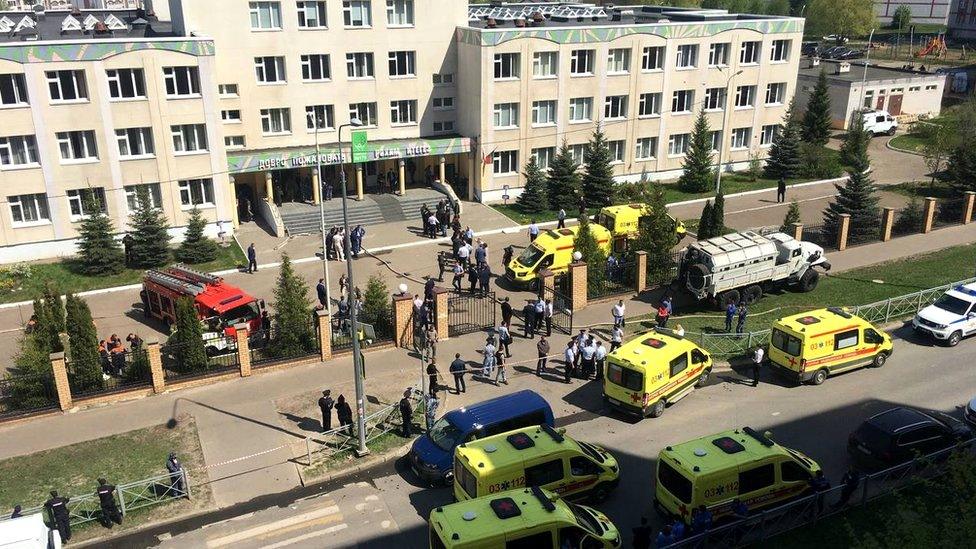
x=20 y=26
x=876 y=73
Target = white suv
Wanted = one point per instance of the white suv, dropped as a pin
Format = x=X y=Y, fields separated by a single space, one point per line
x=879 y=122
x=951 y=317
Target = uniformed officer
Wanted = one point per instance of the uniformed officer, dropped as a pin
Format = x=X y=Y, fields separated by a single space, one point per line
x=57 y=506
x=406 y=413
x=325 y=405
x=106 y=500
x=175 y=469
x=18 y=512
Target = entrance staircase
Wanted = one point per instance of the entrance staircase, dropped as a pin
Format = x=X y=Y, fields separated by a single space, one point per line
x=301 y=218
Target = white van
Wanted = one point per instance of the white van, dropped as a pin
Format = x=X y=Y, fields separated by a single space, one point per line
x=951 y=317
x=879 y=122
x=28 y=532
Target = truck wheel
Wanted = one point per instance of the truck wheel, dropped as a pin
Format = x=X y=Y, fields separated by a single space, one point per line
x=954 y=339
x=696 y=277
x=819 y=377
x=703 y=378
x=892 y=130
x=658 y=408
x=731 y=296
x=879 y=359
x=809 y=281
x=752 y=294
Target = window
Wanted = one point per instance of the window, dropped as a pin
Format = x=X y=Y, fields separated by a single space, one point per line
x=914 y=88
x=652 y=58
x=618 y=61
x=682 y=100
x=530 y=541
x=687 y=56
x=615 y=107
x=234 y=141
x=868 y=99
x=506 y=66
x=18 y=150
x=745 y=96
x=399 y=13
x=543 y=156
x=785 y=342
x=674 y=482
x=124 y=83
x=741 y=137
x=769 y=134
x=365 y=112
x=357 y=13
x=581 y=466
x=444 y=126
x=403 y=112
x=775 y=93
x=780 y=52
x=322 y=116
x=84 y=202
x=196 y=192
x=576 y=152
x=616 y=150
x=716 y=139
x=504 y=162
x=359 y=65
x=227 y=90
x=403 y=63
x=646 y=148
x=649 y=104
x=311 y=15
x=544 y=473
x=316 y=67
x=443 y=103
x=678 y=144
x=136 y=142
x=270 y=70
x=581 y=62
x=152 y=193
x=189 y=138
x=718 y=54
x=26 y=209
x=845 y=340
x=714 y=99
x=756 y=478
x=792 y=472
x=506 y=115
x=545 y=64
x=13 y=89
x=580 y=109
x=543 y=113
x=679 y=364
x=182 y=81
x=931 y=86
x=265 y=15
x=77 y=146
x=443 y=79
x=276 y=121
x=67 y=86
x=749 y=53
x=231 y=116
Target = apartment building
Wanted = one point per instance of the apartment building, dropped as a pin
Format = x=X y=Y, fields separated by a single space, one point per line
x=933 y=12
x=531 y=76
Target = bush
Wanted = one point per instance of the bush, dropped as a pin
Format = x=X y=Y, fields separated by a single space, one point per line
x=292 y=317
x=911 y=218
x=32 y=379
x=755 y=169
x=818 y=163
x=86 y=371
x=196 y=247
x=190 y=353
x=792 y=216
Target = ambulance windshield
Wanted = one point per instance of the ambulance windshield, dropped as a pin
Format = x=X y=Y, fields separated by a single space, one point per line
x=531 y=256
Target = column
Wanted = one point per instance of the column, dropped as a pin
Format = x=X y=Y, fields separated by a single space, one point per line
x=61 y=381
x=797 y=231
x=403 y=320
x=577 y=281
x=233 y=201
x=359 y=182
x=325 y=334
x=156 y=366
x=845 y=227
x=441 y=323
x=967 y=210
x=547 y=282
x=640 y=279
x=887 y=222
x=474 y=168
x=929 y=214
x=243 y=349
x=441 y=169
x=268 y=187
x=402 y=177
x=316 y=187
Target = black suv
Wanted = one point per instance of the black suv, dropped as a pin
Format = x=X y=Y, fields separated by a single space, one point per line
x=901 y=434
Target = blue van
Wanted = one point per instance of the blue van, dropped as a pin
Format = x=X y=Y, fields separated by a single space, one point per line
x=431 y=457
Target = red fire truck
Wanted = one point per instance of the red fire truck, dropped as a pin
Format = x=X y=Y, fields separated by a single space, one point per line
x=220 y=306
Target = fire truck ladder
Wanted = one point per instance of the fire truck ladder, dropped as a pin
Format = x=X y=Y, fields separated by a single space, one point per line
x=174 y=283
x=193 y=275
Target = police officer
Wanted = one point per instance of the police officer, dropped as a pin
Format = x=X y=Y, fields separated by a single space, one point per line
x=642 y=535
x=57 y=506
x=529 y=324
x=106 y=500
x=326 y=404
x=406 y=413
x=344 y=413
x=18 y=512
x=175 y=469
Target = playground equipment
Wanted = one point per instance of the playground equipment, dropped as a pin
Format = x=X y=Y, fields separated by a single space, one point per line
x=937 y=46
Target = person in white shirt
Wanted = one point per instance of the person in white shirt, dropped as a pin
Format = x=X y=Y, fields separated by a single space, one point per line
x=463 y=253
x=488 y=360
x=601 y=359
x=540 y=314
x=533 y=231
x=570 y=356
x=337 y=242
x=549 y=313
x=757 y=358
x=617 y=338
x=618 y=312
x=587 y=356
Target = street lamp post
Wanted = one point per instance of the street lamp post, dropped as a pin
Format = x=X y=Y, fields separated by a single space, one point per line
x=314 y=118
x=722 y=140
x=864 y=75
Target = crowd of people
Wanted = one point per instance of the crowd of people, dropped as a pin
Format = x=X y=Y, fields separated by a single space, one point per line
x=112 y=353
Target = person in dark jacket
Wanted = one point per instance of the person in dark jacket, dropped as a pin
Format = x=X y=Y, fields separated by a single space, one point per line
x=529 y=322
x=175 y=468
x=781 y=190
x=252 y=259
x=506 y=312
x=406 y=413
x=432 y=376
x=642 y=535
x=57 y=507
x=473 y=278
x=106 y=500
x=321 y=293
x=457 y=369
x=344 y=413
x=325 y=405
x=484 y=277
x=17 y=513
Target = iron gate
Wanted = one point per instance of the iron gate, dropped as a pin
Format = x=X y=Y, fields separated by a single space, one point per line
x=562 y=310
x=468 y=313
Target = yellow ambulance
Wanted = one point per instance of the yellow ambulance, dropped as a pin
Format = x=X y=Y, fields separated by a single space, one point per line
x=534 y=456
x=624 y=221
x=653 y=370
x=714 y=470
x=526 y=517
x=551 y=250
x=807 y=347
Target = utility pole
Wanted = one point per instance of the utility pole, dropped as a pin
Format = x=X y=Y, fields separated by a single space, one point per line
x=325 y=256
x=723 y=137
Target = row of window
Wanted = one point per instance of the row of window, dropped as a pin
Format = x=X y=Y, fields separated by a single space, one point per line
x=582 y=62
x=318 y=67
x=33 y=209
x=645 y=148
x=71 y=86
x=617 y=107
x=313 y=14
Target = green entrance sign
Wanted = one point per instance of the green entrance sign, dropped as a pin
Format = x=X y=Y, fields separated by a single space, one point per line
x=360 y=146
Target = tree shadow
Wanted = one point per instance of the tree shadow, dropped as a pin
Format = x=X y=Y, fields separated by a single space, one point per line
x=304 y=423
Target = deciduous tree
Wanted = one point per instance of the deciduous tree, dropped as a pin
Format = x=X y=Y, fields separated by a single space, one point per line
x=844 y=18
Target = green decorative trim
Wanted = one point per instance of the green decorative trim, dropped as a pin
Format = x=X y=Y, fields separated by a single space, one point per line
x=95 y=51
x=489 y=37
x=330 y=155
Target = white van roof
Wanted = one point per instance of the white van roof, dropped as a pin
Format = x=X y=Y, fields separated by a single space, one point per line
x=736 y=248
x=27 y=532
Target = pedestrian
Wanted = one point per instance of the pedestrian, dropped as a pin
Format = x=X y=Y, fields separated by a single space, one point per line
x=740 y=325
x=106 y=500
x=356 y=237
x=431 y=341
x=549 y=312
x=339 y=243
x=484 y=277
x=666 y=302
x=600 y=358
x=570 y=357
x=781 y=190
x=740 y=511
x=325 y=405
x=580 y=343
x=618 y=312
x=430 y=410
x=528 y=325
x=432 y=375
x=664 y=537
x=481 y=254
x=542 y=348
x=533 y=231
x=252 y=259
x=343 y=284
x=582 y=206
x=507 y=256
x=17 y=512
x=266 y=325
x=500 y=368
x=730 y=312
x=850 y=481
x=57 y=507
x=320 y=291
x=488 y=359
x=504 y=339
x=432 y=224
x=175 y=469
x=473 y=279
x=127 y=241
x=406 y=413
x=328 y=189
x=757 y=358
x=819 y=484
x=587 y=358
x=463 y=254
x=677 y=530
x=642 y=535
x=506 y=312
x=540 y=314
x=458 y=276
x=561 y=218
x=344 y=414
x=701 y=520
x=457 y=369
x=616 y=338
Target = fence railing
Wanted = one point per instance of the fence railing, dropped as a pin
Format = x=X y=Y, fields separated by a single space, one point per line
x=115 y=373
x=617 y=279
x=907 y=221
x=221 y=357
x=949 y=211
x=817 y=234
x=22 y=394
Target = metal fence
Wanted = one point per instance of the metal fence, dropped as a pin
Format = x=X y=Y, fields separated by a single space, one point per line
x=469 y=313
x=818 y=234
x=858 y=236
x=265 y=353
x=115 y=373
x=908 y=220
x=221 y=357
x=562 y=310
x=949 y=212
x=617 y=279
x=660 y=276
x=22 y=394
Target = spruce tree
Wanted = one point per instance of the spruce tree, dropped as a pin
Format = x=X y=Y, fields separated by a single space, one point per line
x=190 y=351
x=534 y=198
x=50 y=320
x=150 y=238
x=292 y=317
x=696 y=175
x=376 y=307
x=911 y=218
x=32 y=383
x=784 y=155
x=196 y=247
x=597 y=171
x=961 y=168
x=718 y=215
x=594 y=257
x=657 y=237
x=816 y=119
x=854 y=150
x=99 y=253
x=86 y=371
x=563 y=184
x=858 y=197
x=792 y=216
x=705 y=229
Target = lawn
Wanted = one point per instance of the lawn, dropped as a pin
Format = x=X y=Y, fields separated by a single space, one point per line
x=16 y=286
x=935 y=189
x=911 y=142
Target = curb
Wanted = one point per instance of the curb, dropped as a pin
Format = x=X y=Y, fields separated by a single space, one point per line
x=891 y=147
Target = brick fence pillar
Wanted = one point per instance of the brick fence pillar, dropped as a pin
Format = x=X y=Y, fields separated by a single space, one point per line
x=403 y=320
x=929 y=214
x=325 y=334
x=442 y=322
x=578 y=285
x=640 y=278
x=967 y=209
x=887 y=222
x=241 y=333
x=156 y=366
x=547 y=282
x=797 y=231
x=845 y=227
x=61 y=380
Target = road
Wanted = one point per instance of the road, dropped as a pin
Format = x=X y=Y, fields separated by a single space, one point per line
x=386 y=505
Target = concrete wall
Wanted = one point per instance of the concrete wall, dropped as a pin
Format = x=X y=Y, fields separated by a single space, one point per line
x=935 y=12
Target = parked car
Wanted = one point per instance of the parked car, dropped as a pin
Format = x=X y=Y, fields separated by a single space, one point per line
x=878 y=122
x=902 y=434
x=970 y=413
x=852 y=54
x=836 y=38
x=810 y=48
x=833 y=52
